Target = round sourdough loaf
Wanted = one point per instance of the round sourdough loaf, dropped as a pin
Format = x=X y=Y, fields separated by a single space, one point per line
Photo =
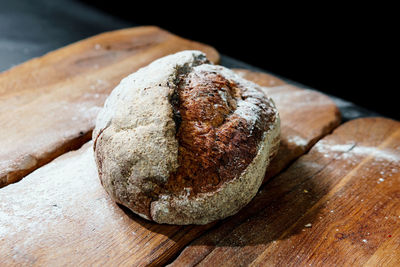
x=183 y=141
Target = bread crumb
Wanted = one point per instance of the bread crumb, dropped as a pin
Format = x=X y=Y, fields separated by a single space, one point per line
x=308 y=225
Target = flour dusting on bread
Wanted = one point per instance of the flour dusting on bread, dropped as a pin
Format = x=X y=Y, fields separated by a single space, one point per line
x=171 y=164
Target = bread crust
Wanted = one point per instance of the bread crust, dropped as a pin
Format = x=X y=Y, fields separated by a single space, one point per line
x=137 y=146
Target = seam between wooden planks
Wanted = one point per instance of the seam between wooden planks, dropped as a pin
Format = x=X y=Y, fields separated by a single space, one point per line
x=177 y=254
x=334 y=190
x=165 y=257
x=74 y=145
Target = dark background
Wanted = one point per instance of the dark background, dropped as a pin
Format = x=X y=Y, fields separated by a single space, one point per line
x=337 y=48
x=346 y=51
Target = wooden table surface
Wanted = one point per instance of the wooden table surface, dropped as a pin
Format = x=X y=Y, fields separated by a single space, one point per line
x=329 y=198
x=337 y=205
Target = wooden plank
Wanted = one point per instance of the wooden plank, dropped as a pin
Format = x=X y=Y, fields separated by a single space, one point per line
x=60 y=214
x=338 y=205
x=261 y=78
x=48 y=104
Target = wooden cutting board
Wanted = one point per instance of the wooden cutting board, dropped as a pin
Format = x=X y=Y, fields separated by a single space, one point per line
x=338 y=205
x=48 y=104
x=60 y=214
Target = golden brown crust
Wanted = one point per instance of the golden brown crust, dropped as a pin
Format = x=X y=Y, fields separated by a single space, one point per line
x=215 y=145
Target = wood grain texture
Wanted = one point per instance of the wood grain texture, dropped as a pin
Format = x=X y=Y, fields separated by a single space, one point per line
x=60 y=214
x=48 y=104
x=338 y=205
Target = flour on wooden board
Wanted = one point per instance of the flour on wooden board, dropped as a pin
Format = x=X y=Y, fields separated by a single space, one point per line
x=346 y=151
x=53 y=205
x=297 y=140
x=308 y=98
